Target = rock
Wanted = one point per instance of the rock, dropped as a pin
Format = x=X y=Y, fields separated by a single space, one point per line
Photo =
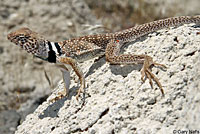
x=127 y=105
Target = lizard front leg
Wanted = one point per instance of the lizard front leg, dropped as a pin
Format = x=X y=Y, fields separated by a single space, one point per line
x=73 y=63
x=113 y=56
x=66 y=80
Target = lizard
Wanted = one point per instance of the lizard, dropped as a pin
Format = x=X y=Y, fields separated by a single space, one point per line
x=68 y=54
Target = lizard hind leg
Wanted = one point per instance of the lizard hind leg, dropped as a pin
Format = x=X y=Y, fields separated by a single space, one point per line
x=113 y=56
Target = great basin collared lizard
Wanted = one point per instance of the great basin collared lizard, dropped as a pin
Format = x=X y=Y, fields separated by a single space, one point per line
x=68 y=53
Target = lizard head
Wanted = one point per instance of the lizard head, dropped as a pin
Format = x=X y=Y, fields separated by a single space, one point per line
x=30 y=41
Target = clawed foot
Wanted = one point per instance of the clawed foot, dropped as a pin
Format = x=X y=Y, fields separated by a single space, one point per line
x=59 y=95
x=146 y=71
x=63 y=93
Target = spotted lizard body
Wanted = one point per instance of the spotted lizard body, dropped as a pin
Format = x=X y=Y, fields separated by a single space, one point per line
x=69 y=53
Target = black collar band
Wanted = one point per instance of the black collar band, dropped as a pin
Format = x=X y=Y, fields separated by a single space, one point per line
x=51 y=54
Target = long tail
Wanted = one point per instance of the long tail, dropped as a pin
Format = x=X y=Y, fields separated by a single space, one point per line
x=138 y=31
